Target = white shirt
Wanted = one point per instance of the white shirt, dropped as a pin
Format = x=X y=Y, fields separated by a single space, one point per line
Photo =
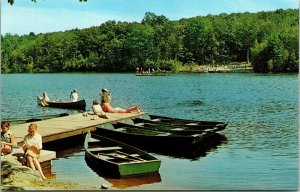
x=97 y=109
x=74 y=96
x=35 y=140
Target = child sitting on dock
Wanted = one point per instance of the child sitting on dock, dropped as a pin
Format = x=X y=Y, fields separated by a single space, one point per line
x=32 y=148
x=106 y=104
x=98 y=110
x=7 y=138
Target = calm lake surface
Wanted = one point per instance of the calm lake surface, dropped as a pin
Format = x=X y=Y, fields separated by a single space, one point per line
x=261 y=148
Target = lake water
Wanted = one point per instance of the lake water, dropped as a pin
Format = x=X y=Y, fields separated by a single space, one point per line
x=261 y=148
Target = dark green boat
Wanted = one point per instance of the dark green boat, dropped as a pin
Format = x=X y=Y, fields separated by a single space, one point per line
x=116 y=159
x=148 y=139
x=178 y=130
x=179 y=123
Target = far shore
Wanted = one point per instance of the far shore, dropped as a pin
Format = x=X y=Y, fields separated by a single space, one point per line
x=219 y=68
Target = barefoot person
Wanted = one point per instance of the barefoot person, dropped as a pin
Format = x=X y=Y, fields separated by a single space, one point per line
x=107 y=107
x=32 y=147
x=7 y=138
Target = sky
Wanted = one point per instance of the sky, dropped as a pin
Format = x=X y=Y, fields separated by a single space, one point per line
x=25 y=16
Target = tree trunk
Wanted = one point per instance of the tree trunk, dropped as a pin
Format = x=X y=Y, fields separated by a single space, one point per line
x=248 y=56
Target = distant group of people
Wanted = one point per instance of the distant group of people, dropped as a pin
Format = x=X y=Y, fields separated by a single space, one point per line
x=101 y=109
x=139 y=70
x=32 y=145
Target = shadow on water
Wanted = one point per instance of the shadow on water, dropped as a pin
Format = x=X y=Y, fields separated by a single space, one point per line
x=193 y=152
x=190 y=103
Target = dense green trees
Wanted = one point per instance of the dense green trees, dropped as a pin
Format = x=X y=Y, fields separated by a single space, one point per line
x=269 y=40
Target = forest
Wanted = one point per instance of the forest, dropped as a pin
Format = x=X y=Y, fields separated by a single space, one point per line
x=268 y=40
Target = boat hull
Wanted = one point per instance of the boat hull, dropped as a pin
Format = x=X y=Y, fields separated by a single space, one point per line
x=148 y=139
x=177 y=122
x=179 y=130
x=144 y=164
x=80 y=105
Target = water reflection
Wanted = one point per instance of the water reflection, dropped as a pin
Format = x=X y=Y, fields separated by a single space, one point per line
x=124 y=183
x=195 y=151
x=49 y=174
x=190 y=103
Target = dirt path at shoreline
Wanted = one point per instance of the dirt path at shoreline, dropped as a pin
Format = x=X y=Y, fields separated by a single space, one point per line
x=14 y=176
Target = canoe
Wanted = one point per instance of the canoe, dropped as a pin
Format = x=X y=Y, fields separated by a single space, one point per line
x=116 y=159
x=15 y=121
x=148 y=139
x=80 y=105
x=177 y=122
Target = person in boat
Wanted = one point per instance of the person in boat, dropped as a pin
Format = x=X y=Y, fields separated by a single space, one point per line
x=32 y=148
x=45 y=99
x=74 y=95
x=107 y=107
x=7 y=138
x=97 y=109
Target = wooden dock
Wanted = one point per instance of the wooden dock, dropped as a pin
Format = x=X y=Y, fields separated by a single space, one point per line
x=68 y=126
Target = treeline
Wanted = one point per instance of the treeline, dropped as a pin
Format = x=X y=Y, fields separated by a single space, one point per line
x=269 y=40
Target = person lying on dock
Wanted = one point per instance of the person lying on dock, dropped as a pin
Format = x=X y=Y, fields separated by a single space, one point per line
x=32 y=148
x=107 y=107
x=7 y=138
x=97 y=109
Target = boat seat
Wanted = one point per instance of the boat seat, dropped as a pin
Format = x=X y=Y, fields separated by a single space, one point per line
x=164 y=134
x=92 y=140
x=105 y=148
x=197 y=135
x=177 y=129
x=155 y=120
x=139 y=124
x=134 y=155
x=120 y=129
x=192 y=124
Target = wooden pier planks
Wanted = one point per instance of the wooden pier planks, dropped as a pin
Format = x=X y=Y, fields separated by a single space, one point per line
x=63 y=127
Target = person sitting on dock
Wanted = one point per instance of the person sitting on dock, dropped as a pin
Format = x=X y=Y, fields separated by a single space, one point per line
x=74 y=95
x=32 y=148
x=97 y=109
x=7 y=138
x=107 y=107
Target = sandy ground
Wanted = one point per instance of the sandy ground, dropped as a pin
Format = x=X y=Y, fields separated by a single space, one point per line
x=14 y=176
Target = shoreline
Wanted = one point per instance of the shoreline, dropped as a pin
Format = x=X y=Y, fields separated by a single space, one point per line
x=15 y=176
